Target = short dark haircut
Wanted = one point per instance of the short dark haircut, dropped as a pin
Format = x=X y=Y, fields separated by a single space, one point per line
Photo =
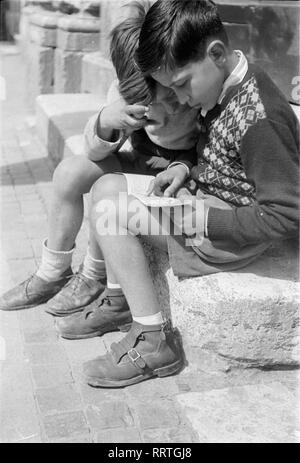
x=124 y=39
x=176 y=32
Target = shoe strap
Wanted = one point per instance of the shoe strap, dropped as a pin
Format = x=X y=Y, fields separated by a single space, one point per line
x=134 y=356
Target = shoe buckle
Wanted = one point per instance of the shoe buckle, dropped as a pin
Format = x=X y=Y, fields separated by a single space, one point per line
x=133 y=355
x=136 y=358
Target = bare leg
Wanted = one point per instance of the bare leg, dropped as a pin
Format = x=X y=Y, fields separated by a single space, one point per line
x=124 y=252
x=72 y=178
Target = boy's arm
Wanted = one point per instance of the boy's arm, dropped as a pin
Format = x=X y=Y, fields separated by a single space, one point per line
x=270 y=156
x=99 y=145
x=106 y=130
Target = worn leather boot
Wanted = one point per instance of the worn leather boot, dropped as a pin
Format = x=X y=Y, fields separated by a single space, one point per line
x=32 y=292
x=145 y=352
x=110 y=312
x=75 y=295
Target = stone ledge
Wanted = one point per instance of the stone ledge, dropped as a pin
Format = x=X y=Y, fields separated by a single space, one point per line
x=249 y=317
x=62 y=116
x=97 y=74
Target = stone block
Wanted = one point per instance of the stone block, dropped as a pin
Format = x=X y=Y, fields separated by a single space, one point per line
x=160 y=413
x=97 y=74
x=40 y=68
x=62 y=398
x=118 y=436
x=65 y=425
x=61 y=117
x=42 y=36
x=42 y=28
x=67 y=72
x=78 y=41
x=250 y=317
x=112 y=414
x=247 y=414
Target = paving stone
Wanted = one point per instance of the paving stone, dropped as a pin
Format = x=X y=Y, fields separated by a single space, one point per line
x=20 y=249
x=178 y=435
x=58 y=399
x=118 y=436
x=35 y=439
x=29 y=207
x=96 y=396
x=248 y=414
x=18 y=418
x=65 y=425
x=160 y=387
x=82 y=350
x=21 y=269
x=36 y=244
x=15 y=380
x=73 y=440
x=160 y=413
x=112 y=414
x=12 y=348
x=36 y=318
x=40 y=354
x=39 y=335
x=51 y=375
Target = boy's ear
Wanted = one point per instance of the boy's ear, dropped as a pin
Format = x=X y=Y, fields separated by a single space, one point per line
x=216 y=50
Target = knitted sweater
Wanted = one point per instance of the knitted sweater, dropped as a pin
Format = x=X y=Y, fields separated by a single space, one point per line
x=248 y=156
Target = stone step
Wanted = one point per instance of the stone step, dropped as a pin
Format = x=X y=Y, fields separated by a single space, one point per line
x=61 y=119
x=246 y=318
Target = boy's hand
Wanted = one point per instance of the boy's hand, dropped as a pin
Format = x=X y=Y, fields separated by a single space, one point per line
x=120 y=116
x=168 y=182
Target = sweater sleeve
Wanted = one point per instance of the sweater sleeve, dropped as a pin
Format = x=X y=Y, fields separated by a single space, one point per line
x=270 y=154
x=95 y=147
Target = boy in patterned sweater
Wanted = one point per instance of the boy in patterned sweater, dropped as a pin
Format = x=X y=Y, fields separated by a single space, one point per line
x=246 y=176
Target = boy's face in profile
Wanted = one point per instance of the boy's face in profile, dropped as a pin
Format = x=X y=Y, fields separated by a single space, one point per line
x=197 y=84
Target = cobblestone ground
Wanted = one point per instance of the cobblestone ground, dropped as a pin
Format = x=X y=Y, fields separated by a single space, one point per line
x=43 y=398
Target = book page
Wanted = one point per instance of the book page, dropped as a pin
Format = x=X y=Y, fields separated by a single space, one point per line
x=137 y=186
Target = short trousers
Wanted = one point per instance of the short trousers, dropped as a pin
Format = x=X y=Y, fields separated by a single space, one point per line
x=210 y=256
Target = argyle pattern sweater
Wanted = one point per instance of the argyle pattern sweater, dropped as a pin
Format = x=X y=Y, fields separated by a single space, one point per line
x=249 y=157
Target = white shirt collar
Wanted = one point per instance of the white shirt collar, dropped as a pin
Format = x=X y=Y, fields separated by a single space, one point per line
x=235 y=78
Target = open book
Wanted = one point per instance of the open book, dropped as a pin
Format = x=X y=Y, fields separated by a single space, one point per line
x=137 y=186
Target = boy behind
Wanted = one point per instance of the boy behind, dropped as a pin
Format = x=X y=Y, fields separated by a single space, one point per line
x=156 y=142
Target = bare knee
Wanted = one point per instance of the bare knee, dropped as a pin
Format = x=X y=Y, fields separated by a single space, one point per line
x=75 y=176
x=107 y=186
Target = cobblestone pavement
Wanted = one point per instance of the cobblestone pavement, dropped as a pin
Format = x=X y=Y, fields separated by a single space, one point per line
x=43 y=398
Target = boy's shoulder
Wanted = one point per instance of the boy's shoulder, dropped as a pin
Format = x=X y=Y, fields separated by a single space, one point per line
x=267 y=98
x=258 y=97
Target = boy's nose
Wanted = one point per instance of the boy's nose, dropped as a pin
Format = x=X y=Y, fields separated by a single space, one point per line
x=181 y=96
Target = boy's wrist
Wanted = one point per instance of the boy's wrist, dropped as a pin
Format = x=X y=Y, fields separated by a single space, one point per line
x=178 y=163
x=104 y=129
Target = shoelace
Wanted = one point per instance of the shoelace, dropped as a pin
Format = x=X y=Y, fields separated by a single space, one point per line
x=93 y=309
x=75 y=280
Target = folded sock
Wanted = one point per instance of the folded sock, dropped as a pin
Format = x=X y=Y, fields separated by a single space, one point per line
x=155 y=319
x=113 y=285
x=54 y=263
x=93 y=269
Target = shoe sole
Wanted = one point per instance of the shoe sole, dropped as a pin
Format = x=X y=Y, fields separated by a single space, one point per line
x=64 y=314
x=159 y=372
x=22 y=307
x=123 y=329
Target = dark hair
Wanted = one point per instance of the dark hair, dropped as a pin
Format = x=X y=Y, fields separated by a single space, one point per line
x=175 y=32
x=133 y=86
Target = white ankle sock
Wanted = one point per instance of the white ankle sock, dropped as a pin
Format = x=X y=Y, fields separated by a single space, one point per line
x=93 y=268
x=54 y=263
x=113 y=285
x=155 y=319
